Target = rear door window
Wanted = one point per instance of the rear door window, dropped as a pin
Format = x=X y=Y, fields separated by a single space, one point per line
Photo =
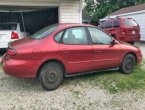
x=102 y=25
x=130 y=23
x=108 y=24
x=116 y=24
x=75 y=36
x=58 y=37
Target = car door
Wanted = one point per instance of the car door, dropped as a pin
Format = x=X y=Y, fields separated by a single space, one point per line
x=105 y=54
x=76 y=50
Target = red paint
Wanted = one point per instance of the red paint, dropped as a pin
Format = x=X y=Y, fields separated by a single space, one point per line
x=31 y=54
x=125 y=31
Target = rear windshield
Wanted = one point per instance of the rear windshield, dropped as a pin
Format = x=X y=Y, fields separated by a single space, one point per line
x=130 y=23
x=6 y=26
x=44 y=32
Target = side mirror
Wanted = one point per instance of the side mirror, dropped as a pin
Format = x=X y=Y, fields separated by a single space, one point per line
x=113 y=42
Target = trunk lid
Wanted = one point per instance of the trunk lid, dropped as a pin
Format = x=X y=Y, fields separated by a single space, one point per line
x=5 y=36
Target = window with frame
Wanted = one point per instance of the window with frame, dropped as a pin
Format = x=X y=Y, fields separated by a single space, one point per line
x=99 y=37
x=58 y=36
x=116 y=24
x=75 y=36
x=102 y=25
x=108 y=24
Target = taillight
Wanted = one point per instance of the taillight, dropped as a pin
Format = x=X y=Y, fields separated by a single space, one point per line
x=14 y=35
x=122 y=31
x=12 y=52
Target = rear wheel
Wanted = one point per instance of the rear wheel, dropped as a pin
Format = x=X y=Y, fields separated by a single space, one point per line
x=51 y=75
x=128 y=64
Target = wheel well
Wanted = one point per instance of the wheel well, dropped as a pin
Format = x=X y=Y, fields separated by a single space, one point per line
x=52 y=60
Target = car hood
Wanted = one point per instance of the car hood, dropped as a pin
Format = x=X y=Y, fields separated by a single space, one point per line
x=125 y=43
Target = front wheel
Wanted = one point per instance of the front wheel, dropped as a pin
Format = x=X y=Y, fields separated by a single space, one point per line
x=128 y=64
x=51 y=75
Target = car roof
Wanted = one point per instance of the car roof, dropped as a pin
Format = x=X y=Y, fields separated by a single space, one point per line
x=69 y=25
x=113 y=19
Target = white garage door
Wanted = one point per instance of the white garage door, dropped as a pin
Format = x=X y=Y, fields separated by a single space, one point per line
x=70 y=11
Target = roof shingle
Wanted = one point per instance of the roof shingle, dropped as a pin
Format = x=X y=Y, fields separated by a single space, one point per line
x=130 y=9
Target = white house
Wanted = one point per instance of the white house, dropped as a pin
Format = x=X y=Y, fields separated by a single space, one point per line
x=136 y=12
x=55 y=11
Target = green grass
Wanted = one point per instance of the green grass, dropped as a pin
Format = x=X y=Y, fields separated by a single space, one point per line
x=114 y=81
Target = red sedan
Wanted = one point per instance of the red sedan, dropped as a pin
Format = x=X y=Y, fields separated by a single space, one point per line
x=64 y=50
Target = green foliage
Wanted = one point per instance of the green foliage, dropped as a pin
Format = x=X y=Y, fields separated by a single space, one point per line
x=100 y=8
x=112 y=81
x=116 y=82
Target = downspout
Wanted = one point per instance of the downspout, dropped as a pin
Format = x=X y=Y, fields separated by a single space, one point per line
x=80 y=10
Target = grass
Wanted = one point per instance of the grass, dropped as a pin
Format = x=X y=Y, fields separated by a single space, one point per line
x=114 y=81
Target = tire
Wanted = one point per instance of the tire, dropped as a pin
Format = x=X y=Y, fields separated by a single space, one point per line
x=128 y=64
x=51 y=75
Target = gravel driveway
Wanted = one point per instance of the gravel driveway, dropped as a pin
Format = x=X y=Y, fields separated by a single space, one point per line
x=73 y=94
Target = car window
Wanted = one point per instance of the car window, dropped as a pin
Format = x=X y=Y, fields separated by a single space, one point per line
x=108 y=24
x=116 y=24
x=130 y=23
x=75 y=35
x=99 y=37
x=58 y=36
x=8 y=26
x=102 y=25
x=44 y=32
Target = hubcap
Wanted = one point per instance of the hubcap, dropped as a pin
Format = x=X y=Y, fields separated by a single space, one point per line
x=50 y=75
x=129 y=64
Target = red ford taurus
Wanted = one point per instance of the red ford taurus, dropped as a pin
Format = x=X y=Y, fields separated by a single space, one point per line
x=64 y=50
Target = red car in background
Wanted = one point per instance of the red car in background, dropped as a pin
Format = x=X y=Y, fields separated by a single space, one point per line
x=124 y=29
x=62 y=50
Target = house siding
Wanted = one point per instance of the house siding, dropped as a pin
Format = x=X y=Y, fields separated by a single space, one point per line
x=69 y=10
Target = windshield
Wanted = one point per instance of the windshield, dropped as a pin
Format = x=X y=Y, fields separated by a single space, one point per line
x=130 y=23
x=44 y=32
x=6 y=26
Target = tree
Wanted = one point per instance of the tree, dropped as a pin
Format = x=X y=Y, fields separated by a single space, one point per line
x=100 y=8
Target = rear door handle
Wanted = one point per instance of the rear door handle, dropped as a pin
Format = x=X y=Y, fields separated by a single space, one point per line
x=66 y=52
x=98 y=51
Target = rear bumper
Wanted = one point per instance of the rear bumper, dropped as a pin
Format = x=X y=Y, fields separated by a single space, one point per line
x=18 y=68
x=4 y=44
x=129 y=38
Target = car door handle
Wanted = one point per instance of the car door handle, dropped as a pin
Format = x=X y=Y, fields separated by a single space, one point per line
x=98 y=51
x=66 y=52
